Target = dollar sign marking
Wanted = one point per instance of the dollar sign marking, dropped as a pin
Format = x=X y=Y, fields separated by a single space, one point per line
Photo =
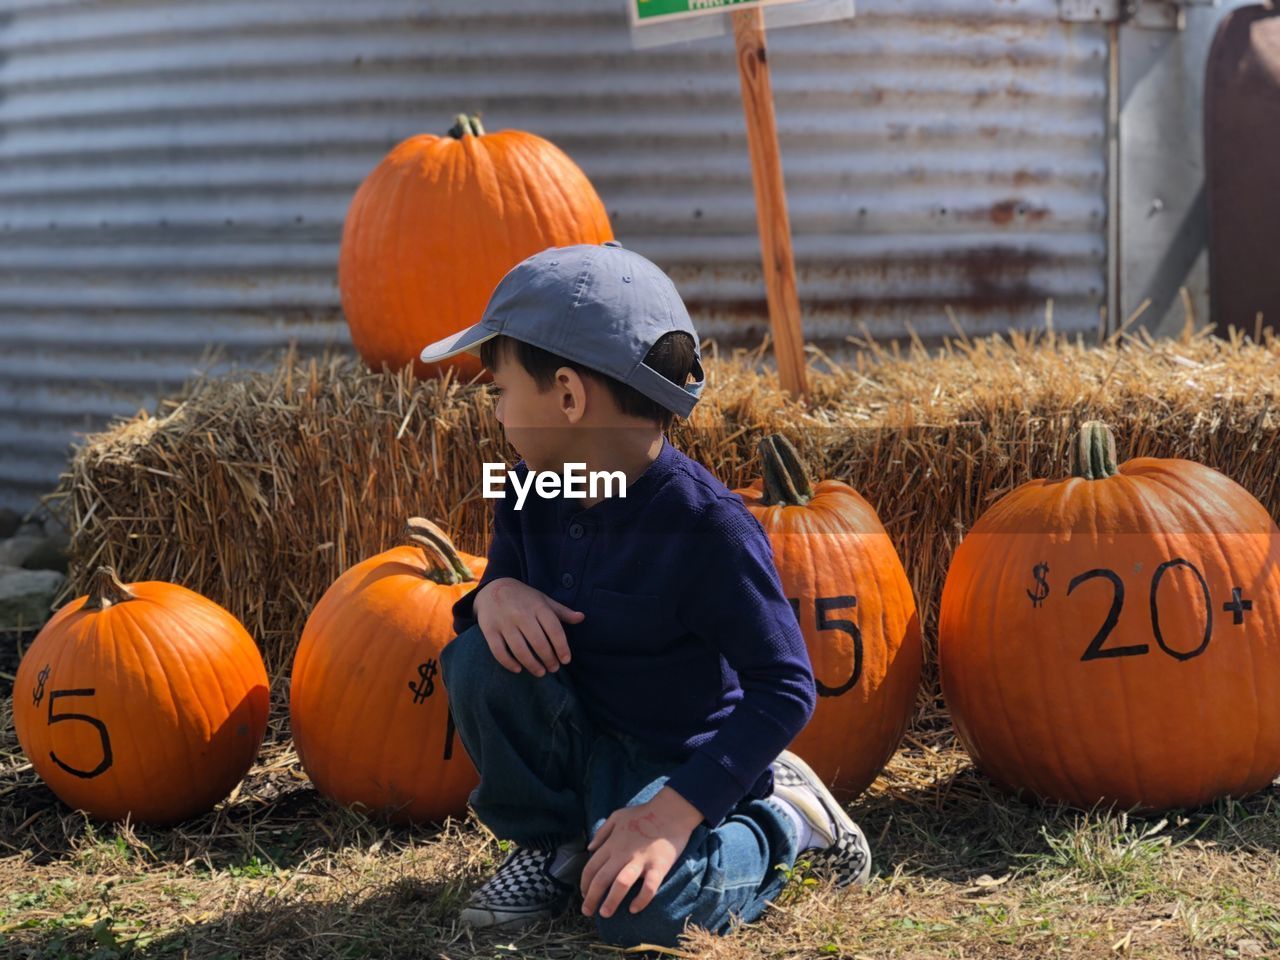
x=1042 y=585
x=426 y=673
x=41 y=677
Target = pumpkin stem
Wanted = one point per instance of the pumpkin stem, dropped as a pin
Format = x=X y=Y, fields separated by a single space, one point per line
x=466 y=123
x=105 y=590
x=435 y=541
x=1093 y=454
x=785 y=479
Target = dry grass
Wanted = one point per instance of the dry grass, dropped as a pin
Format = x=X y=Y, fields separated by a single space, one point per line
x=287 y=478
x=960 y=871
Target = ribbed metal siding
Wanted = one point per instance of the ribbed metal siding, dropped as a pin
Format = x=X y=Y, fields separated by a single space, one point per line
x=175 y=174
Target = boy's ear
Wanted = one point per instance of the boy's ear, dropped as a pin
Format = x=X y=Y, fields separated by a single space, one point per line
x=574 y=391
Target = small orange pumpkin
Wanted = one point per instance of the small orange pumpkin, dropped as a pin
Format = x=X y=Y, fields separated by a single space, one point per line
x=1114 y=637
x=369 y=711
x=439 y=222
x=854 y=603
x=146 y=700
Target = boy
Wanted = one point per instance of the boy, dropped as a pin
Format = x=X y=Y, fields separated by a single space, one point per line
x=628 y=671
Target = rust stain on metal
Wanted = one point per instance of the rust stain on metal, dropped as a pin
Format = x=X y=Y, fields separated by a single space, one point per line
x=997 y=275
x=1023 y=177
x=1004 y=212
x=990 y=278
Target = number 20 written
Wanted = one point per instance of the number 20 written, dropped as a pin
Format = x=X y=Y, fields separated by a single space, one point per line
x=1238 y=606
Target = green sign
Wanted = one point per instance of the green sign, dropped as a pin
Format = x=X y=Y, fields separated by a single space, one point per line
x=652 y=11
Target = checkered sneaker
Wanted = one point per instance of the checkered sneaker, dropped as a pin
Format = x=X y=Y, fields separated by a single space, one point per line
x=526 y=889
x=845 y=856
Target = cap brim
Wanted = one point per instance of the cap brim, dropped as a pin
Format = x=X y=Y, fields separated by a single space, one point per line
x=464 y=341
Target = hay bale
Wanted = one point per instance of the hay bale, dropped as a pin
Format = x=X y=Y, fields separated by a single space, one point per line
x=258 y=491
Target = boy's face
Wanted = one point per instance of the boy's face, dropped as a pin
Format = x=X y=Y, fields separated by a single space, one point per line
x=535 y=423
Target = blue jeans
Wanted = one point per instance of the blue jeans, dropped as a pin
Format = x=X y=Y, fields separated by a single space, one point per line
x=549 y=775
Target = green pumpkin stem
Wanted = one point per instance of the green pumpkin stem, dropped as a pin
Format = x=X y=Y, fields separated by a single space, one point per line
x=106 y=590
x=785 y=479
x=1093 y=453
x=437 y=545
x=466 y=123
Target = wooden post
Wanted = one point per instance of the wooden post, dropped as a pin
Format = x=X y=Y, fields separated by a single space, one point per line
x=771 y=200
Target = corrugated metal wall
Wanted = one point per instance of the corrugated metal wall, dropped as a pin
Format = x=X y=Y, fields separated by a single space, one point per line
x=174 y=174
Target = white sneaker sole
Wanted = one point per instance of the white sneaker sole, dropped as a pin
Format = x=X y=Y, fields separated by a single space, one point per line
x=513 y=916
x=479 y=917
x=830 y=806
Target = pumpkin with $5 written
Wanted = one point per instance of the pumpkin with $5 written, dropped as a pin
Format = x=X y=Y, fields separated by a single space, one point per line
x=1114 y=637
x=854 y=603
x=369 y=712
x=146 y=700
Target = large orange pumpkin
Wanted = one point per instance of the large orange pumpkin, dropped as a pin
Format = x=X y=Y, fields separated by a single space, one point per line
x=370 y=714
x=146 y=700
x=851 y=595
x=439 y=222
x=1114 y=637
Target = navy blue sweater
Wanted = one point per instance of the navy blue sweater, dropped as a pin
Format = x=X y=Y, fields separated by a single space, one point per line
x=688 y=643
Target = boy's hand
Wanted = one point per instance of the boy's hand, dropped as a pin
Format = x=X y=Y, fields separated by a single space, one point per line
x=523 y=624
x=640 y=842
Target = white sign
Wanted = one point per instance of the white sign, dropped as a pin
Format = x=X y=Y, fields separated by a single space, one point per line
x=653 y=11
x=655 y=23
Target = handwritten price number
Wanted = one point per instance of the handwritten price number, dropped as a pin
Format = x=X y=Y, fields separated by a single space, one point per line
x=94 y=722
x=1238 y=606
x=822 y=607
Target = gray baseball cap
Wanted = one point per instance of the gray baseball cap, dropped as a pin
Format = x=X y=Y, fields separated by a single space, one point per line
x=600 y=305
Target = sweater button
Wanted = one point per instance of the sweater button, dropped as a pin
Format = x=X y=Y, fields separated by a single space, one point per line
x=566 y=579
x=575 y=530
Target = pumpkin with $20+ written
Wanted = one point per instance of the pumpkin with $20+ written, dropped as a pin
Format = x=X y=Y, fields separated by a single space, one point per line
x=1063 y=683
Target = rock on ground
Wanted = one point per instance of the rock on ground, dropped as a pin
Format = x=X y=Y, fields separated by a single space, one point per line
x=26 y=596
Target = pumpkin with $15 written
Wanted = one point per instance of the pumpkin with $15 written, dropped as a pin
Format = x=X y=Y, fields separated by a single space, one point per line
x=369 y=712
x=854 y=603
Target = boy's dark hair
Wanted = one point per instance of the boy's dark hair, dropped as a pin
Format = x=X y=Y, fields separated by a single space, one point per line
x=671 y=356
